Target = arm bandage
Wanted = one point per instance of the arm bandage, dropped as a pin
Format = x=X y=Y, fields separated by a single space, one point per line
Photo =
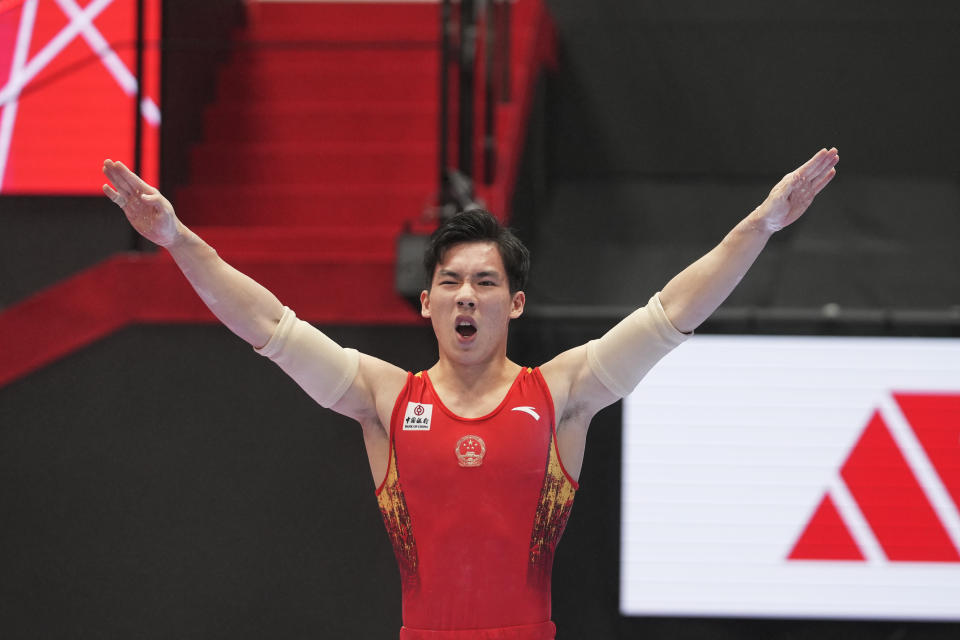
x=627 y=352
x=324 y=369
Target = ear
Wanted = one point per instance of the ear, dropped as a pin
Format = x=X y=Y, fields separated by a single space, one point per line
x=425 y=303
x=516 y=305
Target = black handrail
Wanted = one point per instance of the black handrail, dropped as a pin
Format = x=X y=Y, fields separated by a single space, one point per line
x=489 y=103
x=466 y=77
x=484 y=24
x=138 y=100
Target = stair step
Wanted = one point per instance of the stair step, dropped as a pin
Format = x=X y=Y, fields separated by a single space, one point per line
x=344 y=21
x=321 y=122
x=328 y=290
x=344 y=85
x=312 y=57
x=304 y=205
x=311 y=163
x=362 y=240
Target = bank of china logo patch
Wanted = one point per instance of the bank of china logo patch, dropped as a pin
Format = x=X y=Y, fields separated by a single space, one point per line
x=417 y=417
x=470 y=451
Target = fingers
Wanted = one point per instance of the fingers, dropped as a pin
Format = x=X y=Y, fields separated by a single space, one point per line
x=122 y=177
x=823 y=181
x=117 y=199
x=129 y=178
x=115 y=173
x=820 y=164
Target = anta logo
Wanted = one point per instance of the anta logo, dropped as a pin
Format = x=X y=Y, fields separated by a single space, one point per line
x=529 y=410
x=896 y=497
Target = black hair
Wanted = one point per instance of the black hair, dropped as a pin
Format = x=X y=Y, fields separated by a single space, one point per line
x=478 y=225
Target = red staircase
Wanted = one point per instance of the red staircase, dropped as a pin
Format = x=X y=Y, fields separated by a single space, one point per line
x=320 y=147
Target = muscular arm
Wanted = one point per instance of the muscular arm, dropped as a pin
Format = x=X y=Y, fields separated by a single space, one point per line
x=696 y=292
x=245 y=307
x=587 y=378
x=331 y=375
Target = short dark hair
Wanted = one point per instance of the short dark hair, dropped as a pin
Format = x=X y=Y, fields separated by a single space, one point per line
x=478 y=225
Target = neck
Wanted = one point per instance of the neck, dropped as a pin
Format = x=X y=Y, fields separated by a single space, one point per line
x=466 y=376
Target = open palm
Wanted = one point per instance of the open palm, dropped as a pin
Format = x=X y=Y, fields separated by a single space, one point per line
x=148 y=211
x=790 y=197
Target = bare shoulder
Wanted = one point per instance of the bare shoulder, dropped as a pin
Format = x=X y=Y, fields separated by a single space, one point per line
x=577 y=392
x=370 y=398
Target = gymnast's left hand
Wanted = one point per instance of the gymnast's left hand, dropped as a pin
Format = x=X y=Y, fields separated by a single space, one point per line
x=794 y=193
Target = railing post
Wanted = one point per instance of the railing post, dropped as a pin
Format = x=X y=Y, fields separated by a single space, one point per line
x=491 y=45
x=503 y=28
x=138 y=116
x=137 y=241
x=468 y=58
x=444 y=144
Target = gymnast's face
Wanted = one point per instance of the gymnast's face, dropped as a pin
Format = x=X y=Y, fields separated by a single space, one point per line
x=469 y=302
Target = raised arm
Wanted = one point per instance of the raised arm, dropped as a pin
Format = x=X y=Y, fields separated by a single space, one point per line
x=696 y=292
x=591 y=376
x=245 y=307
x=352 y=384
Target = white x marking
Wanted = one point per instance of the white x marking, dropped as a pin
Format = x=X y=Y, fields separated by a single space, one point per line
x=49 y=52
x=81 y=23
x=111 y=60
x=28 y=16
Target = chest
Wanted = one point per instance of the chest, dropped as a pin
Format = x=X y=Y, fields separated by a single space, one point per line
x=445 y=455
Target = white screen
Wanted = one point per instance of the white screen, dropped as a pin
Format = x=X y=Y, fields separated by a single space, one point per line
x=789 y=476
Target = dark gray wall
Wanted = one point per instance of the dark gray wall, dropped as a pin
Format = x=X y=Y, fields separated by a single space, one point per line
x=46 y=239
x=668 y=122
x=167 y=482
x=749 y=87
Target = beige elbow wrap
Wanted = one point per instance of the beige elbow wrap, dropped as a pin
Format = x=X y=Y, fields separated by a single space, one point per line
x=324 y=369
x=628 y=351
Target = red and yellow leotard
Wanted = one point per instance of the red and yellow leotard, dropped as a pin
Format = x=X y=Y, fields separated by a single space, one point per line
x=475 y=508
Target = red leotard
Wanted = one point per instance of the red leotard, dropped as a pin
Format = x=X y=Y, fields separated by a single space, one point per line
x=474 y=508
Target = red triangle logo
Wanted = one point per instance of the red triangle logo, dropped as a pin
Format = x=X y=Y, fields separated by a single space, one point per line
x=888 y=494
x=826 y=537
x=935 y=419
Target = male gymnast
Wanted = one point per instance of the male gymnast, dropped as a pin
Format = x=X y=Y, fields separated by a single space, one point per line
x=476 y=459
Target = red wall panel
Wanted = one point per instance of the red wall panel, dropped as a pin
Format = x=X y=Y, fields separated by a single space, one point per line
x=68 y=91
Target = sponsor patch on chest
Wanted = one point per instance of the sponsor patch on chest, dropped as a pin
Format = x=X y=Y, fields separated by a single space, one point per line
x=417 y=417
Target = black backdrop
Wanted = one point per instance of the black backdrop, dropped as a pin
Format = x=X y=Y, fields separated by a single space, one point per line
x=168 y=482
x=743 y=87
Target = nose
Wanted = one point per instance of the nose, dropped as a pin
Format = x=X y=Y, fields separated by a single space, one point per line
x=466 y=297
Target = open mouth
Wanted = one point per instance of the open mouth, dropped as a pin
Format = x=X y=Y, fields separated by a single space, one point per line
x=466 y=329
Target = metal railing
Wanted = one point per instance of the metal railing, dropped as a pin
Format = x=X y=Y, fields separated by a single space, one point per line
x=474 y=78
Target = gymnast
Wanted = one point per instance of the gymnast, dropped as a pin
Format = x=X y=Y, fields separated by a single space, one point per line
x=475 y=460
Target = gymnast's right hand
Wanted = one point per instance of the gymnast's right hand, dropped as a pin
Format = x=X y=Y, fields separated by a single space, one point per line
x=147 y=210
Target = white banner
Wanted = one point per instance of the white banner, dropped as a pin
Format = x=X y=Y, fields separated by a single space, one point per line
x=795 y=477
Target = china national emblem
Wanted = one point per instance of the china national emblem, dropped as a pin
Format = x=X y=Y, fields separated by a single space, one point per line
x=470 y=451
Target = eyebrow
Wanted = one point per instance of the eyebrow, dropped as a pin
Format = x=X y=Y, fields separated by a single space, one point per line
x=479 y=274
